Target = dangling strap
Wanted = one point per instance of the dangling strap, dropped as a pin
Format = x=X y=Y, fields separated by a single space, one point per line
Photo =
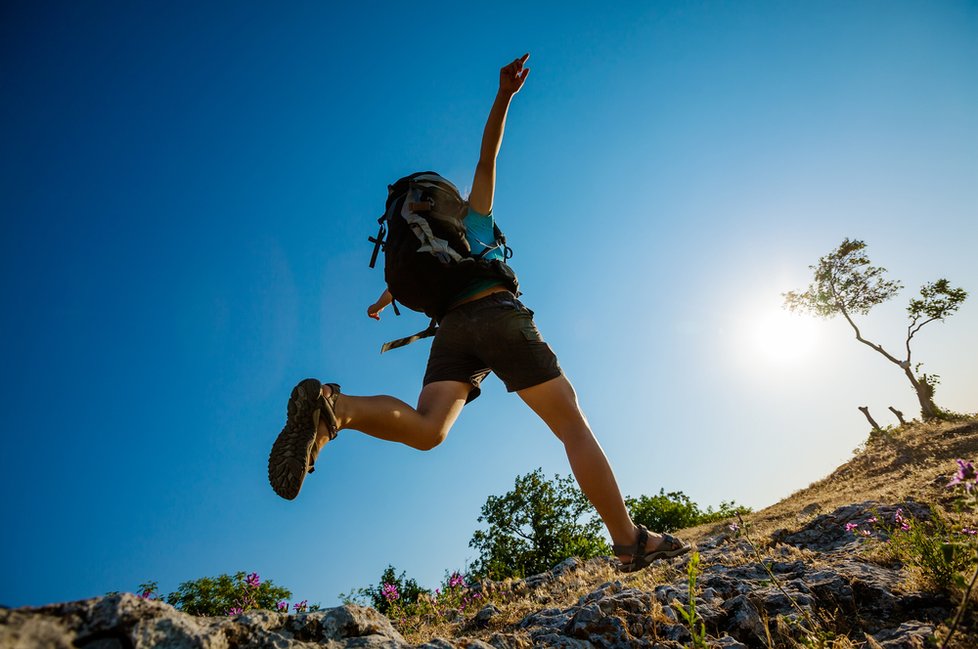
x=379 y=240
x=401 y=342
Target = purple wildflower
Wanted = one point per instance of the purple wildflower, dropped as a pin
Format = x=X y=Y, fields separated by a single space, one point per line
x=899 y=519
x=456 y=580
x=850 y=526
x=147 y=594
x=969 y=531
x=733 y=527
x=965 y=476
x=283 y=605
x=301 y=606
x=872 y=520
x=236 y=610
x=865 y=532
x=253 y=580
x=389 y=591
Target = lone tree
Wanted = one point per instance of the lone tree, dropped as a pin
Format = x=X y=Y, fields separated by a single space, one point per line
x=846 y=284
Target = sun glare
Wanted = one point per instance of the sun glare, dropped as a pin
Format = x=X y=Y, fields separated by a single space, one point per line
x=778 y=336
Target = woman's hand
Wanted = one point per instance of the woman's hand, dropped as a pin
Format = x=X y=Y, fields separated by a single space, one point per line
x=512 y=76
x=373 y=311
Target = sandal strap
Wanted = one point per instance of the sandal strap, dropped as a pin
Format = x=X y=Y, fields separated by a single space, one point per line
x=637 y=549
x=328 y=403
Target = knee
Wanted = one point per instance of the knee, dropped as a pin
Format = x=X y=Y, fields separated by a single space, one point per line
x=573 y=431
x=431 y=438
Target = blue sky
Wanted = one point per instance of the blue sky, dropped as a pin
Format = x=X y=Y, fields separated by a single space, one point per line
x=186 y=190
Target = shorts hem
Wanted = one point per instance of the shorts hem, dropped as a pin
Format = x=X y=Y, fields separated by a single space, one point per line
x=534 y=383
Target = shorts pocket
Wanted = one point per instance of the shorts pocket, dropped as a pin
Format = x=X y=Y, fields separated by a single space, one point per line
x=531 y=334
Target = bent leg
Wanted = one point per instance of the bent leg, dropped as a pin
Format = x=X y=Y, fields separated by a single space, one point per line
x=555 y=402
x=389 y=418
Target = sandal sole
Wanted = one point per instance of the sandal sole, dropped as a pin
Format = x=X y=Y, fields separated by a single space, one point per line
x=288 y=462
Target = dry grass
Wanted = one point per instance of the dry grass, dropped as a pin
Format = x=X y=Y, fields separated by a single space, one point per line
x=912 y=462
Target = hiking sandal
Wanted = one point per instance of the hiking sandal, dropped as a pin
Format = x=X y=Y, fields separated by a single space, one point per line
x=670 y=547
x=294 y=451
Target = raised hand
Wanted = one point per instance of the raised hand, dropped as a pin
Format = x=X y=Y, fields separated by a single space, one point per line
x=512 y=76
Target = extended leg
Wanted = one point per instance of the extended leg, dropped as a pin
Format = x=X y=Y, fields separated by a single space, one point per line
x=556 y=403
x=306 y=430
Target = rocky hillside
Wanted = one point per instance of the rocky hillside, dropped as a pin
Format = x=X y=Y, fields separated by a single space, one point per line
x=814 y=570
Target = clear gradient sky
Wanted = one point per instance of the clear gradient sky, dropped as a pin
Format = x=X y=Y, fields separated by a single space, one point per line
x=186 y=192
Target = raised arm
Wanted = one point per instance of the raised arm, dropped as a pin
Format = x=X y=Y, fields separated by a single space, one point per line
x=511 y=79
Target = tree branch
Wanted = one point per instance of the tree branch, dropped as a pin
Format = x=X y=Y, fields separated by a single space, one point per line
x=879 y=348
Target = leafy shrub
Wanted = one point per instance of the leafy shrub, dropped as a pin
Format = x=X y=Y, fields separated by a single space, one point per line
x=390 y=590
x=536 y=526
x=675 y=511
x=229 y=595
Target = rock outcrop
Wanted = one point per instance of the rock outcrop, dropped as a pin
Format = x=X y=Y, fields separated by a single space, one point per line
x=819 y=576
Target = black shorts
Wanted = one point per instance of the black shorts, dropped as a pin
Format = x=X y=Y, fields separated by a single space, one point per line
x=492 y=334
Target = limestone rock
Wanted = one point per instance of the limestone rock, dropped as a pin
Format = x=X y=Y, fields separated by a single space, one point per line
x=125 y=620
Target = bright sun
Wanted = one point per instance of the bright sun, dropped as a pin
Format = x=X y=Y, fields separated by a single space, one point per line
x=782 y=337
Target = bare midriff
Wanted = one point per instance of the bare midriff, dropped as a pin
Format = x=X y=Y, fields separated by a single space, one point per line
x=481 y=294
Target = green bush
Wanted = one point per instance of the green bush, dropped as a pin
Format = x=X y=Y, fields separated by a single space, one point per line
x=536 y=526
x=228 y=595
x=392 y=590
x=675 y=511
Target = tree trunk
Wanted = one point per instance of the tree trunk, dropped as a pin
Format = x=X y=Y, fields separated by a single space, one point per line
x=925 y=395
x=872 y=422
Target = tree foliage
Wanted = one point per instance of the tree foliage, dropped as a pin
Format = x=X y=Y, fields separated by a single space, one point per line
x=846 y=284
x=535 y=526
x=675 y=511
x=219 y=595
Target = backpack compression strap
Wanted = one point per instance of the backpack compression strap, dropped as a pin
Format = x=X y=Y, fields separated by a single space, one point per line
x=400 y=342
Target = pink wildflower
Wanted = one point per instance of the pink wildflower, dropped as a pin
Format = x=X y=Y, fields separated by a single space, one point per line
x=456 y=580
x=236 y=610
x=389 y=591
x=899 y=519
x=965 y=476
x=253 y=580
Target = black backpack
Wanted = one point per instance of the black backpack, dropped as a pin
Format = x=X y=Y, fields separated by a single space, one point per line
x=427 y=259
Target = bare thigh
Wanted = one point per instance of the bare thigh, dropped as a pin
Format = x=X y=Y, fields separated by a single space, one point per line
x=555 y=402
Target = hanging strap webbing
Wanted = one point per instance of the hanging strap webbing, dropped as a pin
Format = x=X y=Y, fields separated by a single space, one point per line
x=400 y=342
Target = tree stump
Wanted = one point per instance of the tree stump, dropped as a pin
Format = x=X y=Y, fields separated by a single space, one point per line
x=899 y=416
x=872 y=422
